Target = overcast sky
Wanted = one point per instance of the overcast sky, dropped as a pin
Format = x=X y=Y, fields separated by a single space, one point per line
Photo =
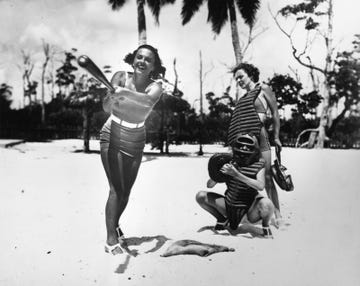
x=106 y=36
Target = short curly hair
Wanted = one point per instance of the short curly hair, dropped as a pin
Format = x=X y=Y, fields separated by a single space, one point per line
x=159 y=68
x=251 y=70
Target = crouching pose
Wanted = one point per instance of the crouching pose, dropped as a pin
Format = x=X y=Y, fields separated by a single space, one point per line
x=244 y=174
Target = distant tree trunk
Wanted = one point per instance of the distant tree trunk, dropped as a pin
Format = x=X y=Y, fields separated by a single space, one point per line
x=162 y=126
x=141 y=22
x=28 y=67
x=46 y=48
x=201 y=105
x=325 y=117
x=86 y=129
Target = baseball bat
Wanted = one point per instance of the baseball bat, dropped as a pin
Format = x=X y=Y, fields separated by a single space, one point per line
x=86 y=63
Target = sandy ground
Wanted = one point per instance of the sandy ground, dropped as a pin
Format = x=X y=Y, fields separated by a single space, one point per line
x=52 y=221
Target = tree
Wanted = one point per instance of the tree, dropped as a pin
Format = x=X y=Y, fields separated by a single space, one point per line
x=87 y=96
x=311 y=13
x=218 y=118
x=155 y=7
x=289 y=92
x=344 y=80
x=49 y=53
x=29 y=86
x=5 y=102
x=65 y=78
x=219 y=12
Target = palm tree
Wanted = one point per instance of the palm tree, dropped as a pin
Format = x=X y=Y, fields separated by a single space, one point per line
x=155 y=7
x=219 y=12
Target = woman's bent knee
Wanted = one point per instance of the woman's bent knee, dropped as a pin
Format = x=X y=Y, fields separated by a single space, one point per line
x=201 y=197
x=266 y=207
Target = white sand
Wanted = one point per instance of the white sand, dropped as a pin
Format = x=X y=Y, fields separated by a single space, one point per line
x=53 y=231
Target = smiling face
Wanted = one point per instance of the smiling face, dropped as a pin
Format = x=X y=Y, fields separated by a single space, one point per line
x=144 y=62
x=243 y=79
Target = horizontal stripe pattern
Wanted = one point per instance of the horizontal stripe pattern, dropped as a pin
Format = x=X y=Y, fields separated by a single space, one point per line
x=245 y=118
x=238 y=193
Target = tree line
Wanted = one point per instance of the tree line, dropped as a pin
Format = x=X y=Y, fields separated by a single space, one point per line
x=75 y=110
x=75 y=104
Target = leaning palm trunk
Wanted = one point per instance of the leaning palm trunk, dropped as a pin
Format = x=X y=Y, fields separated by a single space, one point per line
x=234 y=33
x=141 y=22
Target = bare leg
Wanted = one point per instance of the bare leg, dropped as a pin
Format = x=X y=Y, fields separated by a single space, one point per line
x=212 y=203
x=269 y=183
x=121 y=171
x=263 y=210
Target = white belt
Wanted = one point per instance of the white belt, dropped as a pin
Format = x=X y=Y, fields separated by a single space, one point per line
x=125 y=123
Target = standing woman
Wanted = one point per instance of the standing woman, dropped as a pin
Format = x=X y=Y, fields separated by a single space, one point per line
x=122 y=138
x=249 y=116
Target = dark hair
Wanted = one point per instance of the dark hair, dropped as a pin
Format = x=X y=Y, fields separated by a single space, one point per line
x=159 y=68
x=251 y=70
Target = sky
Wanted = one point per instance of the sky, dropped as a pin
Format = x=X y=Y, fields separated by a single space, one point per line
x=106 y=36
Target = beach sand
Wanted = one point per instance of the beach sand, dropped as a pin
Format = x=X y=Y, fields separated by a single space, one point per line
x=53 y=232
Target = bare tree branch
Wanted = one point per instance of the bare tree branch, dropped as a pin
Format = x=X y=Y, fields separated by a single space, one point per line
x=295 y=51
x=295 y=72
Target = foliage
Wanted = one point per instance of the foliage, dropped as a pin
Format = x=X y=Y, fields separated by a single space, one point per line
x=218 y=11
x=346 y=76
x=309 y=11
x=5 y=95
x=64 y=74
x=65 y=118
x=154 y=5
x=5 y=102
x=308 y=103
x=215 y=123
x=347 y=135
x=288 y=91
x=31 y=89
x=168 y=121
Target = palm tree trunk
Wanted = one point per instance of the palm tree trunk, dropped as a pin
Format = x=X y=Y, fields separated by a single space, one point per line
x=234 y=32
x=141 y=22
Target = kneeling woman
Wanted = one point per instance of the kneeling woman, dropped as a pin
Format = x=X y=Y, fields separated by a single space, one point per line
x=122 y=138
x=244 y=175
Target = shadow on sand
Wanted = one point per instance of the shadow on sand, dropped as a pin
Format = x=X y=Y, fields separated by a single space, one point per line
x=244 y=229
x=133 y=252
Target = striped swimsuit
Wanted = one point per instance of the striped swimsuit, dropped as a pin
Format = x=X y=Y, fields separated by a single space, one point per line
x=239 y=196
x=245 y=118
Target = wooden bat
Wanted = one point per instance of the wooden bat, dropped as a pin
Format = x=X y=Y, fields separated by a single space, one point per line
x=86 y=63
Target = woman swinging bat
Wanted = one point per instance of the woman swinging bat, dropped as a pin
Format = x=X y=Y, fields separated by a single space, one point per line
x=122 y=138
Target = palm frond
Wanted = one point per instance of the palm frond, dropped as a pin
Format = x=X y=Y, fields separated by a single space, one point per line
x=156 y=5
x=218 y=14
x=248 y=10
x=116 y=4
x=189 y=8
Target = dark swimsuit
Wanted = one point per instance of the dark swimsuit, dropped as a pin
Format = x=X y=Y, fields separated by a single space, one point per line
x=239 y=197
x=245 y=119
